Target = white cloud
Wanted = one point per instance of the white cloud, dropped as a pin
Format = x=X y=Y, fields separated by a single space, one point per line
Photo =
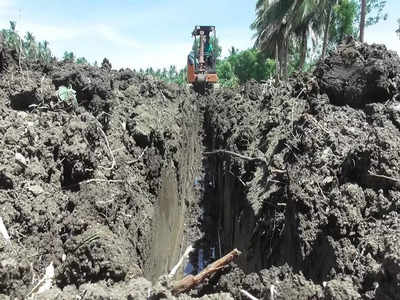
x=115 y=37
x=154 y=55
x=98 y=41
x=50 y=33
x=5 y=4
x=389 y=38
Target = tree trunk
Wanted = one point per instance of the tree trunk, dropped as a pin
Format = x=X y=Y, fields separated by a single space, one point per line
x=303 y=52
x=277 y=64
x=285 y=58
x=362 y=19
x=326 y=32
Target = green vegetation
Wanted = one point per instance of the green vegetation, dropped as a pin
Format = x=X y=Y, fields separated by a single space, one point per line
x=27 y=48
x=168 y=75
x=67 y=95
x=69 y=56
x=283 y=25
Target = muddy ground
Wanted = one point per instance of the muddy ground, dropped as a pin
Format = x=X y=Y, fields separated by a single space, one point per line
x=113 y=190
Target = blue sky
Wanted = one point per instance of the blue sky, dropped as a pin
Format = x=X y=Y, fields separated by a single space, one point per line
x=141 y=33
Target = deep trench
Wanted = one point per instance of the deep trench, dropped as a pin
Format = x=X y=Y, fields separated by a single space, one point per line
x=224 y=215
x=225 y=219
x=224 y=204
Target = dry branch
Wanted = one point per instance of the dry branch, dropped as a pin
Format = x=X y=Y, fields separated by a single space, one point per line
x=102 y=180
x=109 y=149
x=248 y=158
x=191 y=281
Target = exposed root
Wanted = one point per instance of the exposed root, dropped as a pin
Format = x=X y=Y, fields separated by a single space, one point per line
x=222 y=151
x=109 y=149
x=191 y=281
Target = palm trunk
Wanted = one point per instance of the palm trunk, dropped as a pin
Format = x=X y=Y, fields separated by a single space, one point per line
x=303 y=52
x=326 y=32
x=285 y=58
x=277 y=64
x=362 y=19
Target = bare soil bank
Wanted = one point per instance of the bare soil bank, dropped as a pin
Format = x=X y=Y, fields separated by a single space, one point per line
x=113 y=192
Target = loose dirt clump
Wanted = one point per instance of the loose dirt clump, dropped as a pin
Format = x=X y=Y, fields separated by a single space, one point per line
x=358 y=74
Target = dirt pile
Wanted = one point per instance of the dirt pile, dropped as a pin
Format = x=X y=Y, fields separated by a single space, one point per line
x=111 y=191
x=358 y=74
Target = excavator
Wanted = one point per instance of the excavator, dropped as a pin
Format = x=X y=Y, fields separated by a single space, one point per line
x=201 y=65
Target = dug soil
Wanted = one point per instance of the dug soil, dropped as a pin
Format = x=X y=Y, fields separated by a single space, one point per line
x=301 y=176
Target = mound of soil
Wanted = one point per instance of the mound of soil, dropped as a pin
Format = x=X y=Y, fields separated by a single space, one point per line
x=358 y=74
x=302 y=178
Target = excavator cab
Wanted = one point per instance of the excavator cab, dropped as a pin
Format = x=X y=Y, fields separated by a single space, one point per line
x=201 y=66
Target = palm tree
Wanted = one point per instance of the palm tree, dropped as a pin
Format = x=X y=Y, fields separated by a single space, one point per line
x=273 y=31
x=276 y=22
x=327 y=13
x=362 y=19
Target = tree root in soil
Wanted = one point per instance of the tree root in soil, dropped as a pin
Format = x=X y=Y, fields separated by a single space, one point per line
x=191 y=281
x=248 y=158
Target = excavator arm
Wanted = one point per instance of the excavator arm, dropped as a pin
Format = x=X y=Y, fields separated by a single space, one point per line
x=201 y=61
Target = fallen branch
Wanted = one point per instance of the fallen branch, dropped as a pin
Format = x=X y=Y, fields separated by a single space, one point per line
x=248 y=158
x=191 y=281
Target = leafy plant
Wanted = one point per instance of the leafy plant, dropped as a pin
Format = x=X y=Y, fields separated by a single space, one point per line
x=67 y=95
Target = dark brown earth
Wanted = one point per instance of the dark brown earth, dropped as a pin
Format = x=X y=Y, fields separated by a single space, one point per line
x=114 y=190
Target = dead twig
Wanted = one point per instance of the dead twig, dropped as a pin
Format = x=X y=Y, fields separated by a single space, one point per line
x=278 y=171
x=322 y=193
x=137 y=159
x=293 y=107
x=317 y=123
x=109 y=149
x=248 y=158
x=191 y=281
x=248 y=295
x=102 y=180
x=383 y=177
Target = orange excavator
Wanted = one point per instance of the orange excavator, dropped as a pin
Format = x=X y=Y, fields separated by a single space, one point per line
x=201 y=66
